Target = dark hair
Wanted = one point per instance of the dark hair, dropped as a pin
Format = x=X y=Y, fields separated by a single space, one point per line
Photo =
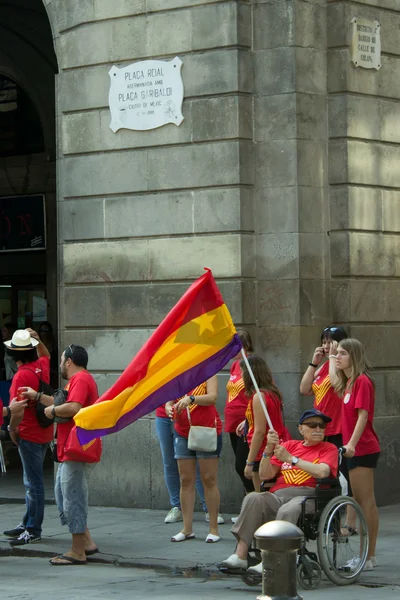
x=262 y=375
x=25 y=356
x=337 y=334
x=77 y=354
x=10 y=328
x=245 y=338
x=47 y=326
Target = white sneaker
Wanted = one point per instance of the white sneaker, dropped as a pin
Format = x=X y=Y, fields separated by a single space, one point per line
x=353 y=564
x=234 y=519
x=174 y=515
x=234 y=562
x=221 y=519
x=374 y=561
x=256 y=569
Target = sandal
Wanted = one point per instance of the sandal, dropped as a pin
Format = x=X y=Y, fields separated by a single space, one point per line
x=351 y=530
x=212 y=539
x=182 y=537
x=65 y=561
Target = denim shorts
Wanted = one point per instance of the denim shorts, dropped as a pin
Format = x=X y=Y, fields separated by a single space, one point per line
x=181 y=449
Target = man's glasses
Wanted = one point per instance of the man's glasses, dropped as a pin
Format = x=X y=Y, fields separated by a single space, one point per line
x=71 y=351
x=315 y=424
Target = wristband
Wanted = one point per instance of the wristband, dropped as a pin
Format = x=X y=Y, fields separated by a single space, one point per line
x=250 y=463
x=332 y=356
x=53 y=411
x=265 y=455
x=312 y=365
x=8 y=411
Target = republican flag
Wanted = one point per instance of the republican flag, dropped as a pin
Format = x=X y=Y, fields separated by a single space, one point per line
x=196 y=340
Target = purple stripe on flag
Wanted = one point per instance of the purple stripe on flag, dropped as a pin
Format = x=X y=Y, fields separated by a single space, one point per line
x=176 y=388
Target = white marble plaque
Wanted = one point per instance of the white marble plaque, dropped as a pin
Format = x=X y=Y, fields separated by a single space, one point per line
x=146 y=95
x=366 y=43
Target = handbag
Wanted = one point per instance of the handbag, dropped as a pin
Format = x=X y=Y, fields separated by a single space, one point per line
x=202 y=439
x=90 y=453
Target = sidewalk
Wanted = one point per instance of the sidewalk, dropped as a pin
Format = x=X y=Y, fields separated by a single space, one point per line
x=140 y=538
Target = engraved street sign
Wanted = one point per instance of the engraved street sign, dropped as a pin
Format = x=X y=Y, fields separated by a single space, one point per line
x=366 y=43
x=146 y=95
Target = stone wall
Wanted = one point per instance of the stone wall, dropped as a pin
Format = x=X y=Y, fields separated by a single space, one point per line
x=282 y=178
x=364 y=178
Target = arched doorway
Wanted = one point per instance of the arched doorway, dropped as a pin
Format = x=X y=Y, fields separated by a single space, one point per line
x=28 y=239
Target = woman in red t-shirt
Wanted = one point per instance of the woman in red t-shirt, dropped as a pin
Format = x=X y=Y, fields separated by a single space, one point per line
x=359 y=437
x=235 y=411
x=256 y=421
x=200 y=403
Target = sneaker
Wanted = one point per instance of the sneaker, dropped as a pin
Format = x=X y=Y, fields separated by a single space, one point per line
x=25 y=538
x=374 y=561
x=15 y=532
x=256 y=569
x=234 y=562
x=174 y=515
x=354 y=563
x=234 y=519
x=221 y=519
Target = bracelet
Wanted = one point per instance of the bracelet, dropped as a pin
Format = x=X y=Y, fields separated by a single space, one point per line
x=250 y=463
x=265 y=455
x=53 y=411
x=332 y=356
x=8 y=411
x=312 y=365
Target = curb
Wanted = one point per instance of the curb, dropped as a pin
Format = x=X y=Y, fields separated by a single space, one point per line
x=185 y=568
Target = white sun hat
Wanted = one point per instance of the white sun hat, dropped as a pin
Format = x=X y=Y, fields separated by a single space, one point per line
x=21 y=340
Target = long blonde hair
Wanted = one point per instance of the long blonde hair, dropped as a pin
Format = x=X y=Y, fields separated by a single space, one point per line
x=359 y=364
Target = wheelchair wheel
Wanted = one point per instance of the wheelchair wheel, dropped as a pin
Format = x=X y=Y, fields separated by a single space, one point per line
x=342 y=557
x=309 y=576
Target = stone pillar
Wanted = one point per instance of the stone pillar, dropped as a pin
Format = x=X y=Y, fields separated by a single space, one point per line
x=364 y=178
x=290 y=155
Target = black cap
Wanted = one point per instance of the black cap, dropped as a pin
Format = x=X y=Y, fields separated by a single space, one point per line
x=313 y=412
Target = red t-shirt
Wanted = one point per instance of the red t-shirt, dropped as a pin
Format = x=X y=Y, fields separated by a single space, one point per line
x=362 y=395
x=290 y=476
x=274 y=409
x=28 y=375
x=81 y=388
x=205 y=416
x=327 y=401
x=237 y=401
x=160 y=412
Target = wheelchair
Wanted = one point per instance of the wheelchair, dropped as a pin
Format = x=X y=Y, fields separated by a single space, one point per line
x=341 y=557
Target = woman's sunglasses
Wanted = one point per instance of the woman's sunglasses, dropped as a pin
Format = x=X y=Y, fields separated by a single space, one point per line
x=315 y=424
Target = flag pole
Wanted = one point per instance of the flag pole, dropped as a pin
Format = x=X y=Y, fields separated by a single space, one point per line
x=253 y=379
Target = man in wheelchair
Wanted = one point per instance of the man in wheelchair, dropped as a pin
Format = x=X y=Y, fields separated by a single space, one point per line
x=296 y=465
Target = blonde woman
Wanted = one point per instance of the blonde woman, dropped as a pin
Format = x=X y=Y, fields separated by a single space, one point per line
x=359 y=438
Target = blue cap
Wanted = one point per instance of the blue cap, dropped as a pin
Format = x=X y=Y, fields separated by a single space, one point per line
x=313 y=412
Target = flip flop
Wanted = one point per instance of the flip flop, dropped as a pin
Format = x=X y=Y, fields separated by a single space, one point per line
x=69 y=560
x=351 y=530
x=91 y=552
x=211 y=538
x=182 y=537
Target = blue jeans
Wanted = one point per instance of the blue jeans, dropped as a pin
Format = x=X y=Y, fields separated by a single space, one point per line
x=71 y=493
x=165 y=434
x=32 y=457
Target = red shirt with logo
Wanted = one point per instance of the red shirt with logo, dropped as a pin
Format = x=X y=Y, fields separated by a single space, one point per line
x=361 y=396
x=81 y=388
x=28 y=375
x=293 y=476
x=274 y=409
x=237 y=401
x=205 y=416
x=327 y=401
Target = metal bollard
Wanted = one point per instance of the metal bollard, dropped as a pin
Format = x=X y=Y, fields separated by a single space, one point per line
x=279 y=542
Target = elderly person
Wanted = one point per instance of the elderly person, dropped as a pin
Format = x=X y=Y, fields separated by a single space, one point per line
x=297 y=464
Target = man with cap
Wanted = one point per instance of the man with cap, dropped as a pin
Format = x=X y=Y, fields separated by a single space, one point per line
x=296 y=465
x=33 y=361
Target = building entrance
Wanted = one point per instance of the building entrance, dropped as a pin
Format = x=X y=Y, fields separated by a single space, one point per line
x=28 y=242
